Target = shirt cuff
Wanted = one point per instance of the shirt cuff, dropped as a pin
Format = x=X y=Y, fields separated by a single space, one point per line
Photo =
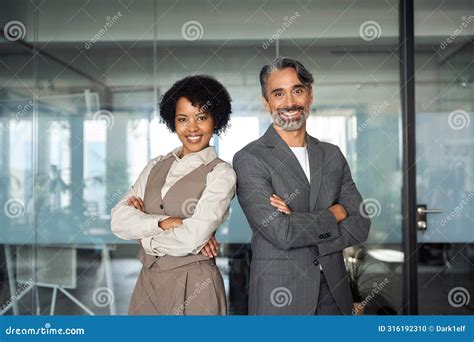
x=147 y=242
x=147 y=246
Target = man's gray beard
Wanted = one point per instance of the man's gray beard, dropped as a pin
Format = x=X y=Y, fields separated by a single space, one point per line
x=289 y=125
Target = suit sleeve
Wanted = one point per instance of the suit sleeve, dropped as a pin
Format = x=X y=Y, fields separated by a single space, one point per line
x=299 y=229
x=355 y=228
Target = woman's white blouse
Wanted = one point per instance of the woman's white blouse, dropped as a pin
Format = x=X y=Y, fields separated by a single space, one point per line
x=211 y=210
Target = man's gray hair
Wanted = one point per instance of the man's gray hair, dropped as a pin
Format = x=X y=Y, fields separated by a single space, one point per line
x=281 y=63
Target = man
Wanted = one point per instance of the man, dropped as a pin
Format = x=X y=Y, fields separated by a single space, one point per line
x=301 y=203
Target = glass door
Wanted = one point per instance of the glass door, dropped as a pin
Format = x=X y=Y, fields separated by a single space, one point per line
x=444 y=152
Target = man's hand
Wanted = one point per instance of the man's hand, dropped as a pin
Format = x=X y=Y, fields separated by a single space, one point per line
x=280 y=204
x=339 y=212
x=210 y=249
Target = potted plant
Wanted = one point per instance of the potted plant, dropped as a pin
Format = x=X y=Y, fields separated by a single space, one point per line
x=355 y=267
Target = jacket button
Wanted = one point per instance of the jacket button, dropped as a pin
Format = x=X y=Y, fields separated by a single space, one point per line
x=161 y=206
x=316 y=262
x=328 y=234
x=321 y=236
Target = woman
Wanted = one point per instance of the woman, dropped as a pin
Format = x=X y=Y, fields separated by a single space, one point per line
x=176 y=205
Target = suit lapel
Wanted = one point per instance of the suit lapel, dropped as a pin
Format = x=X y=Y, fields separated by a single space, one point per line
x=316 y=166
x=286 y=158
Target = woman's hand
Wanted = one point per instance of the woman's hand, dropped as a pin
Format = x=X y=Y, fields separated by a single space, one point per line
x=137 y=203
x=170 y=223
x=280 y=204
x=210 y=249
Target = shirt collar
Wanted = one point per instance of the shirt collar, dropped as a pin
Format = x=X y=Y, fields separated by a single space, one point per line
x=205 y=155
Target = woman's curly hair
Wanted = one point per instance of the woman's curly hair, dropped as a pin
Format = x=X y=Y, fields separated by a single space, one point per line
x=203 y=92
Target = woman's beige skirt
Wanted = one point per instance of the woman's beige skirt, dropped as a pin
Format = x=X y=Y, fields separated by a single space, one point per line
x=193 y=289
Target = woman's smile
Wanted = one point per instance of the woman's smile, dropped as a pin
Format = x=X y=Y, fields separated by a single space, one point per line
x=194 y=138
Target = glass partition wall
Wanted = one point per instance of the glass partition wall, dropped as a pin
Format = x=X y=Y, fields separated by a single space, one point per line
x=80 y=82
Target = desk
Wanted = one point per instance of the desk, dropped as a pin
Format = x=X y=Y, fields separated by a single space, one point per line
x=102 y=239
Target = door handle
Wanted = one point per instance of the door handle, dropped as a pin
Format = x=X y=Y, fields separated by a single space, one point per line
x=421 y=211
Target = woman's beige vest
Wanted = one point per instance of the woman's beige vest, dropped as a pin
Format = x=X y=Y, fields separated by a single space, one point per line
x=180 y=201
